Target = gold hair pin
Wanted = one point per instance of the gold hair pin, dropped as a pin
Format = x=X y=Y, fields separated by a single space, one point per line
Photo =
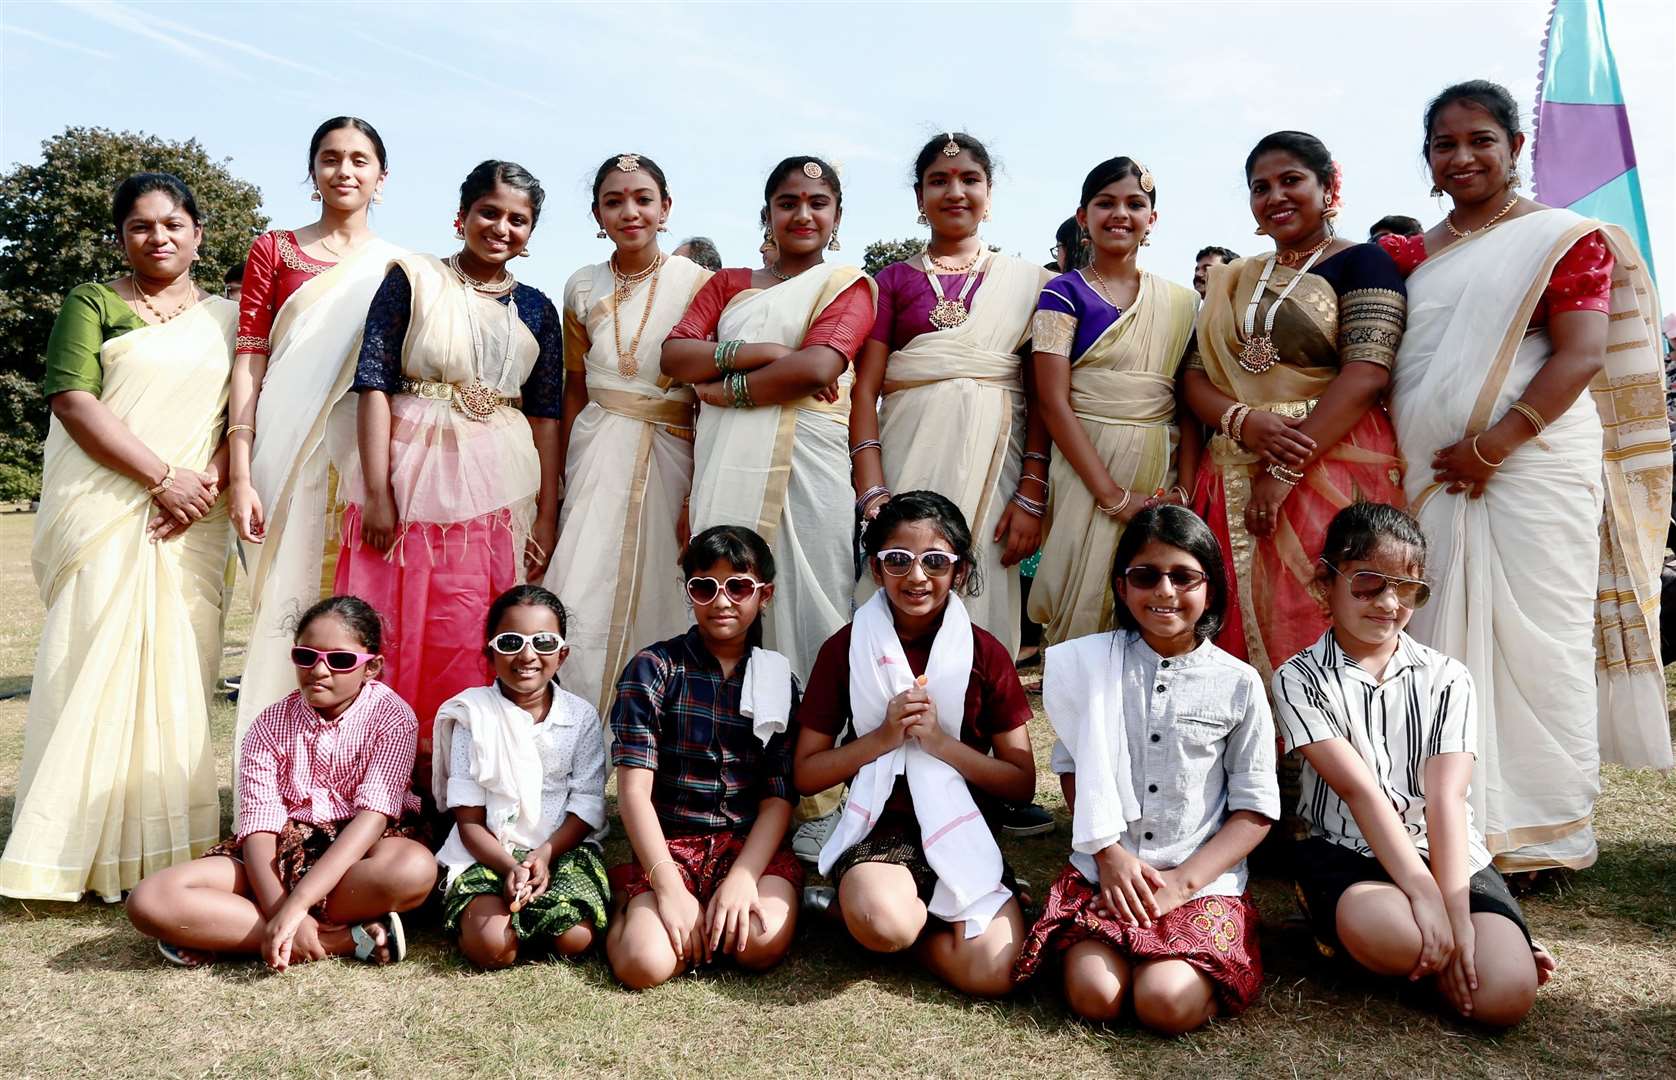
x=813 y=170
x=951 y=148
x=1146 y=177
x=628 y=162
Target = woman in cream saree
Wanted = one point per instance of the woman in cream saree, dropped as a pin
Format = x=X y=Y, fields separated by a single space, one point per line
x=628 y=435
x=944 y=355
x=118 y=773
x=1546 y=584
x=772 y=439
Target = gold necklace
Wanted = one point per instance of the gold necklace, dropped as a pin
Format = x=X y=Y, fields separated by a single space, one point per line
x=1290 y=259
x=139 y=294
x=944 y=268
x=627 y=282
x=1449 y=220
x=1259 y=353
x=777 y=272
x=629 y=364
x=330 y=250
x=1102 y=288
x=498 y=287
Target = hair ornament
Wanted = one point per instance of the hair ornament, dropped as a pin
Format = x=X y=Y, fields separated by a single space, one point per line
x=628 y=162
x=951 y=148
x=813 y=170
x=1146 y=177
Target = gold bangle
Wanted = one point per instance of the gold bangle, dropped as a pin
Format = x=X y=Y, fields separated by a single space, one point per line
x=1185 y=496
x=1222 y=425
x=1480 y=456
x=1289 y=477
x=242 y=427
x=1530 y=414
x=1236 y=428
x=1113 y=511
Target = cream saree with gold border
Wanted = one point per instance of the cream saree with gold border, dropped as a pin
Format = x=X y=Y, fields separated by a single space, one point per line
x=1123 y=391
x=784 y=470
x=118 y=773
x=628 y=469
x=952 y=422
x=1547 y=586
x=315 y=337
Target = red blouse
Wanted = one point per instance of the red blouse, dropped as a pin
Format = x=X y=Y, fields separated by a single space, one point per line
x=1581 y=281
x=275 y=268
x=844 y=324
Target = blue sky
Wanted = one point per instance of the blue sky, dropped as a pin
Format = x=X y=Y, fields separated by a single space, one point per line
x=718 y=93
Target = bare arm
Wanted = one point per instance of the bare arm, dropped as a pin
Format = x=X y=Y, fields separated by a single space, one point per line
x=249 y=369
x=544 y=531
x=372 y=438
x=645 y=832
x=1238 y=837
x=575 y=400
x=1447 y=776
x=1579 y=355
x=108 y=441
x=1347 y=399
x=693 y=361
x=259 y=850
x=1053 y=401
x=1010 y=774
x=867 y=468
x=818 y=765
x=353 y=842
x=475 y=834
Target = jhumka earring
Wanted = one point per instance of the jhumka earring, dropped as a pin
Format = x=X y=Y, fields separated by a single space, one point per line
x=314 y=196
x=1260 y=231
x=662 y=227
x=600 y=235
x=524 y=254
x=1437 y=192
x=923 y=220
x=1146 y=238
x=1513 y=179
x=833 y=244
x=986 y=213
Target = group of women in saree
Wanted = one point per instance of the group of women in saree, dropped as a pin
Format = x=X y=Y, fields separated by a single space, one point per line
x=425 y=432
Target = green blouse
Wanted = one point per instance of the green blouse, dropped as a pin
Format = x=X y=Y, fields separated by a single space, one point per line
x=92 y=314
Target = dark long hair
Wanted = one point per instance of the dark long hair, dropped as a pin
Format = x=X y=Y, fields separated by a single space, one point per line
x=337 y=122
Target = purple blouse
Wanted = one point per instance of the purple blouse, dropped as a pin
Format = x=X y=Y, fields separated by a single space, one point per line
x=1071 y=294
x=906 y=300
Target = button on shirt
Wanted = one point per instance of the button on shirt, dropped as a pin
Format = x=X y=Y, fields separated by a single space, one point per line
x=678 y=716
x=296 y=766
x=1424 y=706
x=1201 y=746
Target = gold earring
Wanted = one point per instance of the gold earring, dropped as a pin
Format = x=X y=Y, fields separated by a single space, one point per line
x=1513 y=179
x=986 y=213
x=600 y=235
x=524 y=254
x=1437 y=192
x=314 y=196
x=459 y=233
x=833 y=244
x=662 y=227
x=1260 y=231
x=1146 y=238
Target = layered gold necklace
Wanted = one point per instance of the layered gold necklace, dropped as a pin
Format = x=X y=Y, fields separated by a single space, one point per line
x=629 y=363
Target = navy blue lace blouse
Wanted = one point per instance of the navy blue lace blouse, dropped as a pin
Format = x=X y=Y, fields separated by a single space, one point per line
x=379 y=367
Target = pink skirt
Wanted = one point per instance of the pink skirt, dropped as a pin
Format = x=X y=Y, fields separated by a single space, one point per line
x=433 y=590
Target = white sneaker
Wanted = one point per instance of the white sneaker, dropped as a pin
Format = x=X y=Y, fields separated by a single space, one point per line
x=808 y=838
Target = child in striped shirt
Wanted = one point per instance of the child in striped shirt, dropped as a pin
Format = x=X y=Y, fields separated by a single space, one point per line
x=1394 y=872
x=325 y=854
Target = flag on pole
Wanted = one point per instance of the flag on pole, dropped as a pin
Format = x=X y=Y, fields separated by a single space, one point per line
x=1583 y=158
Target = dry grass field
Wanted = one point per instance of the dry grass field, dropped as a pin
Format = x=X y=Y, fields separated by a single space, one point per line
x=81 y=994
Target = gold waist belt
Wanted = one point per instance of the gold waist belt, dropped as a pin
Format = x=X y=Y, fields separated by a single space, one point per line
x=474 y=400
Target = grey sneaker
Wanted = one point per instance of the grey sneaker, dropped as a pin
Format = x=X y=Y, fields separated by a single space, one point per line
x=808 y=838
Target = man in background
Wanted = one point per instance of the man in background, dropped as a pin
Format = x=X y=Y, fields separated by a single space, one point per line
x=1395 y=225
x=701 y=250
x=1204 y=260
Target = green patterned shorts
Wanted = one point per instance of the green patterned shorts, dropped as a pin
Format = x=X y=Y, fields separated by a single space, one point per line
x=576 y=890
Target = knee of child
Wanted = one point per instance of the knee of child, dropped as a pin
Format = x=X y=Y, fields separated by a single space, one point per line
x=883 y=927
x=1173 y=1010
x=989 y=977
x=1093 y=995
x=1504 y=996
x=640 y=966
x=761 y=954
x=412 y=878
x=575 y=941
x=1383 y=946
x=487 y=954
x=147 y=907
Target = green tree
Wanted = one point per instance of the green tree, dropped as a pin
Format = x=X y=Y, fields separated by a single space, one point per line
x=881 y=253
x=55 y=233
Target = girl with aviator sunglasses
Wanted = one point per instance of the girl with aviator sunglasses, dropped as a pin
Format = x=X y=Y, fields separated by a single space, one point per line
x=1396 y=871
x=329 y=844
x=1166 y=756
x=704 y=779
x=522 y=767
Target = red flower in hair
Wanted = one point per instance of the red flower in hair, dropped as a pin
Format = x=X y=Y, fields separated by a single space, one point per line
x=1335 y=197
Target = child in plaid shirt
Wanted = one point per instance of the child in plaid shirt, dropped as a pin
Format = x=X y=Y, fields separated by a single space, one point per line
x=703 y=757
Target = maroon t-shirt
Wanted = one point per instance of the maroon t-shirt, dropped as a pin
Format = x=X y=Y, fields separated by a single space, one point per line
x=995 y=701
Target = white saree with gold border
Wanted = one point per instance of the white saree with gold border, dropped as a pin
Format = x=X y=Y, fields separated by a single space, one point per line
x=784 y=470
x=1547 y=586
x=118 y=773
x=952 y=422
x=628 y=468
x=316 y=335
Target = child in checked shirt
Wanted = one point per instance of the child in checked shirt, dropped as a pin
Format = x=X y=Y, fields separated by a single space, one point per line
x=1166 y=755
x=325 y=854
x=1395 y=872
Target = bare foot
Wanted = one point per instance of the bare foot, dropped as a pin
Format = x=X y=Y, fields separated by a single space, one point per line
x=1546 y=965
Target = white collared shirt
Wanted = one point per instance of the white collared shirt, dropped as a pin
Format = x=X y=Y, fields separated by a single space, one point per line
x=1201 y=746
x=1423 y=707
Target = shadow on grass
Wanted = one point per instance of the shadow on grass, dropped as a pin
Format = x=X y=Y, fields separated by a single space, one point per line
x=1629 y=881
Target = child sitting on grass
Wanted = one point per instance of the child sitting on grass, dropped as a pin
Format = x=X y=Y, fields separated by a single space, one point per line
x=1166 y=754
x=1394 y=871
x=703 y=757
x=326 y=853
x=521 y=763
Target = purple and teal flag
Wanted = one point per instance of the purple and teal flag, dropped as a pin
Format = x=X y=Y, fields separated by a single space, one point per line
x=1583 y=158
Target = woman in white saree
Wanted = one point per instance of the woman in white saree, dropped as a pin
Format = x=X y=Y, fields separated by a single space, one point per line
x=768 y=352
x=1529 y=381
x=303 y=301
x=944 y=355
x=626 y=437
x=130 y=554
